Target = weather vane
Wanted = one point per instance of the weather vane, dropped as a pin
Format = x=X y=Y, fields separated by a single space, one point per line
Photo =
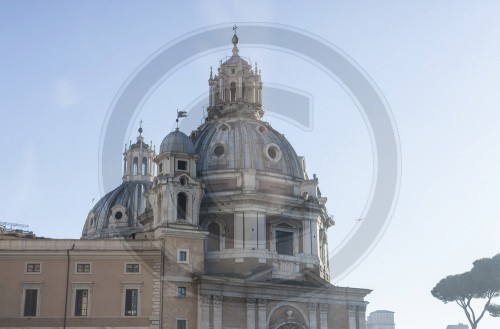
x=180 y=114
x=234 y=28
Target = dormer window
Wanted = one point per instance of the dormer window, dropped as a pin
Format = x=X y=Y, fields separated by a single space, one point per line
x=182 y=165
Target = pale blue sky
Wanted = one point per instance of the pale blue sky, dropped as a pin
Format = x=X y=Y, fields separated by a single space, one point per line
x=437 y=64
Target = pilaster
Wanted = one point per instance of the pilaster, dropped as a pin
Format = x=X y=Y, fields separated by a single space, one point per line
x=262 y=313
x=361 y=317
x=217 y=305
x=313 y=315
x=204 y=311
x=250 y=313
x=351 y=313
x=323 y=316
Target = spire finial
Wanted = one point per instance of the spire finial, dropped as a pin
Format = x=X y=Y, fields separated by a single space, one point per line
x=140 y=128
x=235 y=37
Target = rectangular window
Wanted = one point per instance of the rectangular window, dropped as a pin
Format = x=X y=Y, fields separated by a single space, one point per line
x=33 y=268
x=182 y=256
x=132 y=268
x=81 y=302
x=83 y=268
x=181 y=165
x=30 y=302
x=131 y=301
x=181 y=291
x=181 y=324
x=284 y=243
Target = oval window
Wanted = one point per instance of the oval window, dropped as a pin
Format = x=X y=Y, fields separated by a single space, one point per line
x=183 y=181
x=219 y=150
x=262 y=129
x=272 y=152
x=118 y=215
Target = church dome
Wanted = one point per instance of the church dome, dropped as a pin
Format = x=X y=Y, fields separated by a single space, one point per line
x=177 y=142
x=116 y=214
x=245 y=143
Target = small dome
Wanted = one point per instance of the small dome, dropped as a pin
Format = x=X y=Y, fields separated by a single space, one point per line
x=235 y=59
x=116 y=214
x=177 y=142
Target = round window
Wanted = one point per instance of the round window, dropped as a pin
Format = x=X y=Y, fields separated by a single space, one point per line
x=262 y=129
x=219 y=150
x=272 y=152
x=118 y=215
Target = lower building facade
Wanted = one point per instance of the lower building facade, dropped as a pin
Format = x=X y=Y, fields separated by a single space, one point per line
x=157 y=283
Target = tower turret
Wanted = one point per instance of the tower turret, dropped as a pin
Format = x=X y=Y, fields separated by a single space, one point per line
x=138 y=162
x=176 y=192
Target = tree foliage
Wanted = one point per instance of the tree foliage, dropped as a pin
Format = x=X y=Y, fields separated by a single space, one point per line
x=494 y=310
x=482 y=282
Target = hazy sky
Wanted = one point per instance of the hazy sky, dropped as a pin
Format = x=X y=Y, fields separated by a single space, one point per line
x=437 y=65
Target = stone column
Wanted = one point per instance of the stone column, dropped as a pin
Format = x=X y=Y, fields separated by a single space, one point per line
x=204 y=311
x=250 y=313
x=217 y=302
x=361 y=317
x=313 y=315
x=314 y=238
x=351 y=312
x=306 y=236
x=262 y=314
x=261 y=231
x=323 y=316
x=238 y=231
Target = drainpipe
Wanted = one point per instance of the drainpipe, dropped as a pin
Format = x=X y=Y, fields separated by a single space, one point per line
x=162 y=273
x=67 y=285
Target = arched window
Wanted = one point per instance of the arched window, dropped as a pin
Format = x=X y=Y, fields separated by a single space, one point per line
x=144 y=166
x=243 y=90
x=181 y=205
x=213 y=241
x=136 y=167
x=233 y=91
x=125 y=166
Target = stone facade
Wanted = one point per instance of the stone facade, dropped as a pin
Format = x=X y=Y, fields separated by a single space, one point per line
x=221 y=229
x=381 y=320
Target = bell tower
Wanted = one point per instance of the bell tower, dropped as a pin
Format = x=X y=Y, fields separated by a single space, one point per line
x=176 y=192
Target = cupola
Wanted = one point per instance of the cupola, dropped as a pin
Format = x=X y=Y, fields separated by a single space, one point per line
x=138 y=162
x=236 y=88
